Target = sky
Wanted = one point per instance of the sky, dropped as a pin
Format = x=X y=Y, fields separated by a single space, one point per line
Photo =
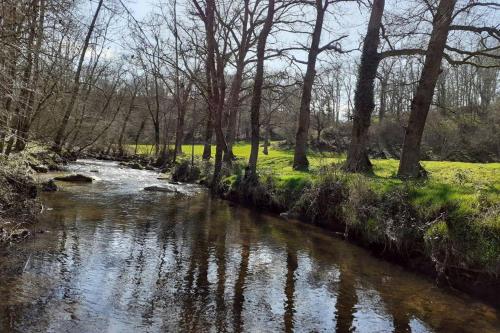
x=347 y=20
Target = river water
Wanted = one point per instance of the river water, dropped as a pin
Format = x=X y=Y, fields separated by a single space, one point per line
x=115 y=258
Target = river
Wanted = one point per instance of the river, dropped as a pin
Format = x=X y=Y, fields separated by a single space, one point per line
x=115 y=258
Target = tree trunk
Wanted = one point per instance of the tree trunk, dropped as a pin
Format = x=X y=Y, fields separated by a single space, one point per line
x=76 y=84
x=267 y=137
x=233 y=106
x=357 y=156
x=138 y=135
x=234 y=93
x=383 y=99
x=157 y=138
x=257 y=91
x=409 y=166
x=207 y=148
x=179 y=130
x=125 y=121
x=300 y=161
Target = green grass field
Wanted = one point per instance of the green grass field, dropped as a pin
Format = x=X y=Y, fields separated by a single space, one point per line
x=458 y=182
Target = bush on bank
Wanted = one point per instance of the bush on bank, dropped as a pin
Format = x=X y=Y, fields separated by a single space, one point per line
x=18 y=189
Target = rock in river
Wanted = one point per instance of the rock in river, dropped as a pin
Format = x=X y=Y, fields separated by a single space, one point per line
x=161 y=189
x=77 y=178
x=40 y=168
x=49 y=186
x=19 y=234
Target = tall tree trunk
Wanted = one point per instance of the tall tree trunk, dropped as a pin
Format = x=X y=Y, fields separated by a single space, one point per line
x=409 y=166
x=207 y=145
x=138 y=135
x=181 y=106
x=157 y=138
x=233 y=106
x=300 y=161
x=357 y=156
x=383 y=98
x=234 y=93
x=257 y=91
x=267 y=138
x=215 y=89
x=76 y=84
x=179 y=129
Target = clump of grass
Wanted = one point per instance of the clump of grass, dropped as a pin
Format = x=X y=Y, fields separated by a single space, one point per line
x=321 y=203
x=260 y=193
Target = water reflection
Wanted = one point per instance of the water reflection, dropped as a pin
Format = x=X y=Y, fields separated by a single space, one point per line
x=117 y=259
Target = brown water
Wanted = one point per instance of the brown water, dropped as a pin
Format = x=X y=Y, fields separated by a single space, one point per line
x=118 y=259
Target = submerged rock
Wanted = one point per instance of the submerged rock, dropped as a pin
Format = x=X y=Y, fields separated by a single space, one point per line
x=49 y=186
x=161 y=189
x=77 y=178
x=19 y=234
x=94 y=171
x=134 y=165
x=289 y=215
x=40 y=168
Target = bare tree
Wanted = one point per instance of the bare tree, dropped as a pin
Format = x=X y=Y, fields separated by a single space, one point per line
x=76 y=82
x=357 y=156
x=410 y=158
x=300 y=161
x=257 y=91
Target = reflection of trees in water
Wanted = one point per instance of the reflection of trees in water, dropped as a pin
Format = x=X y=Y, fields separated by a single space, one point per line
x=291 y=267
x=220 y=257
x=239 y=286
x=165 y=237
x=188 y=238
x=140 y=263
x=323 y=254
x=397 y=309
x=346 y=300
x=196 y=288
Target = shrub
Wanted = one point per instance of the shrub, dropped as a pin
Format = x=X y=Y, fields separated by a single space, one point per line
x=321 y=203
x=17 y=191
x=186 y=172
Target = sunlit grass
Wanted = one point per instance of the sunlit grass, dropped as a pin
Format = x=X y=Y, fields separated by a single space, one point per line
x=449 y=182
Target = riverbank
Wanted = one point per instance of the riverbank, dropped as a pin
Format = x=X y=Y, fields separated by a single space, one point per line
x=19 y=206
x=447 y=226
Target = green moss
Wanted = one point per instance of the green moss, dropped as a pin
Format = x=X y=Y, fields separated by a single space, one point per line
x=438 y=231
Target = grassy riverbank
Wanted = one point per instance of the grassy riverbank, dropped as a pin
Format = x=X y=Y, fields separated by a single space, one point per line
x=448 y=224
x=463 y=184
